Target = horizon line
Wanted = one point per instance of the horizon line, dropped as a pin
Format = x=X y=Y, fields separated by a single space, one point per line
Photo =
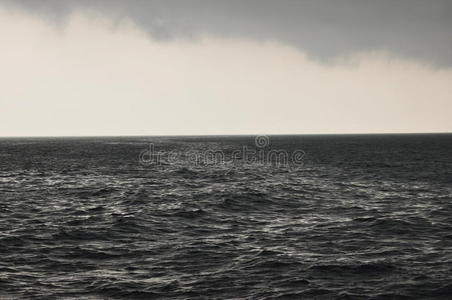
x=224 y=135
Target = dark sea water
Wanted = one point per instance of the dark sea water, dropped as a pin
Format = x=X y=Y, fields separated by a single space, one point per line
x=364 y=217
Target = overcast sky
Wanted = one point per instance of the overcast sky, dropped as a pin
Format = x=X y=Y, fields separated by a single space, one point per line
x=224 y=67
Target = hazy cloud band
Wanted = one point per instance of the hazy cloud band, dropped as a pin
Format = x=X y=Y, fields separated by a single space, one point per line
x=324 y=29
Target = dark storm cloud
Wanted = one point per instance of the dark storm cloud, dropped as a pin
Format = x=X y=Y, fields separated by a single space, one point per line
x=324 y=29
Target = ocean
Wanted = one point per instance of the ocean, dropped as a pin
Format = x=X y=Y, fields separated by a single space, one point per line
x=226 y=217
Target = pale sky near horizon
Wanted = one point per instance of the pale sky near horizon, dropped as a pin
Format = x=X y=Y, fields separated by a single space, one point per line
x=224 y=67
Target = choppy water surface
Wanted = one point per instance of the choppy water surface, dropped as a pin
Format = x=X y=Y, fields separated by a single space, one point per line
x=364 y=217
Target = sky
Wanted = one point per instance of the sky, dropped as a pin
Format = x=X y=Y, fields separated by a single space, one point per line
x=84 y=68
